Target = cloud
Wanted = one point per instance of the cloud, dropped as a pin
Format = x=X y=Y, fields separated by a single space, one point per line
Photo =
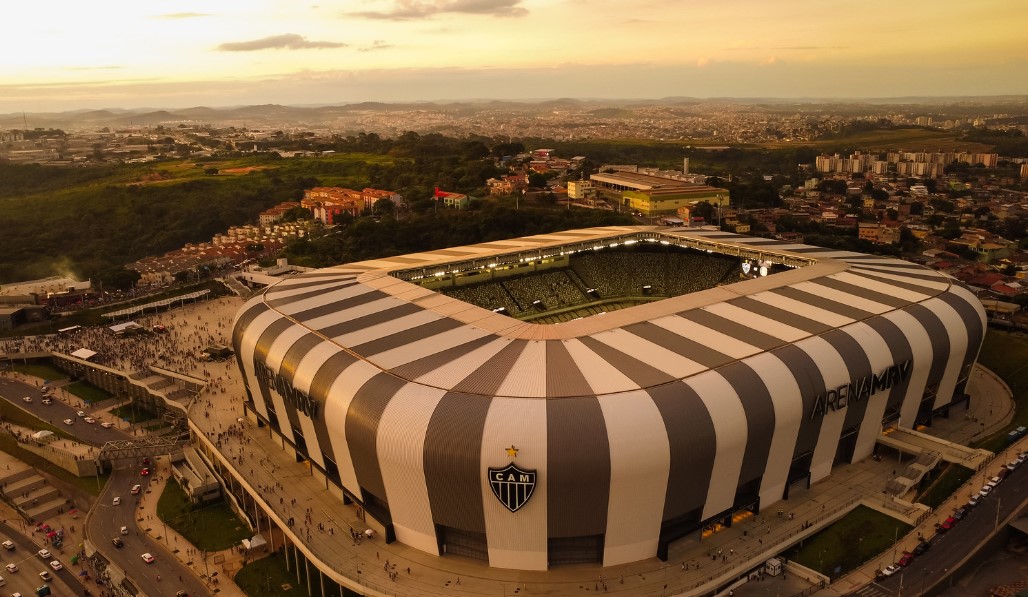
x=405 y=10
x=378 y=44
x=182 y=15
x=287 y=41
x=89 y=68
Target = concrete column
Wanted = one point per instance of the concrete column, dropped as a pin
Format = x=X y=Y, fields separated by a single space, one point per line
x=307 y=570
x=321 y=577
x=285 y=552
x=296 y=554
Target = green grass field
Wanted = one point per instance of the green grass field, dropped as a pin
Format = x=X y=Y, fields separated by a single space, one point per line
x=268 y=577
x=133 y=413
x=213 y=527
x=948 y=482
x=40 y=369
x=859 y=536
x=88 y=392
x=1004 y=353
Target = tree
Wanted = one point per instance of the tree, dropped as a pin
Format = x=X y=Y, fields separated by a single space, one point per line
x=384 y=207
x=537 y=180
x=917 y=208
x=210 y=171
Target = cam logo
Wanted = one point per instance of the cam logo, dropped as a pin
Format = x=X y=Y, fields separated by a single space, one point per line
x=512 y=485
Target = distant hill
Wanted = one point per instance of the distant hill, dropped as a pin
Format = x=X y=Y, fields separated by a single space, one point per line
x=274 y=115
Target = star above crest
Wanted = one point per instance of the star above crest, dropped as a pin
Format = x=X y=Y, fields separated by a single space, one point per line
x=512 y=451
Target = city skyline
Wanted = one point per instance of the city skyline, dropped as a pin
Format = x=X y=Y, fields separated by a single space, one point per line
x=188 y=52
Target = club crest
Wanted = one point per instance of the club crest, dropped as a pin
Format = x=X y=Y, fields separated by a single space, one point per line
x=512 y=485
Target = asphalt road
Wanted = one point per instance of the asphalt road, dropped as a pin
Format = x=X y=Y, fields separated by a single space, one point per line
x=949 y=548
x=26 y=579
x=105 y=523
x=15 y=391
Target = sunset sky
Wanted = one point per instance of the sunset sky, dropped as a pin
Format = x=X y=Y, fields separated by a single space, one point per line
x=68 y=54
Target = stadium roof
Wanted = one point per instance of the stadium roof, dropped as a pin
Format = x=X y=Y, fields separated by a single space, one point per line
x=364 y=312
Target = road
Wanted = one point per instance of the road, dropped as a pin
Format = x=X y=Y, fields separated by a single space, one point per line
x=949 y=548
x=26 y=579
x=14 y=391
x=105 y=523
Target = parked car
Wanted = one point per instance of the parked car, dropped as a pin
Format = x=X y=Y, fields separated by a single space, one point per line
x=974 y=501
x=46 y=555
x=947 y=524
x=906 y=560
x=89 y=420
x=107 y=424
x=985 y=490
x=922 y=546
x=889 y=570
x=80 y=413
x=961 y=512
x=993 y=482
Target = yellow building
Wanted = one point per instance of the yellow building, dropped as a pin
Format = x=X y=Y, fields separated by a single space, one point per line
x=655 y=202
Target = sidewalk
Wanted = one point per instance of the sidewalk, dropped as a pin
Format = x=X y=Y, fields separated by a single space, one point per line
x=228 y=561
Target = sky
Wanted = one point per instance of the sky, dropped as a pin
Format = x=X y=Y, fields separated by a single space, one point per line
x=69 y=54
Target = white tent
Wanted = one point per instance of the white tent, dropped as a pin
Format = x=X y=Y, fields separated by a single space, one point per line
x=257 y=541
x=84 y=353
x=42 y=434
x=124 y=327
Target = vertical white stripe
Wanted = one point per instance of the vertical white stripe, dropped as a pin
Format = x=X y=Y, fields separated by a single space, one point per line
x=516 y=539
x=923 y=354
x=340 y=395
x=730 y=431
x=640 y=459
x=880 y=357
x=526 y=376
x=833 y=370
x=247 y=345
x=788 y=405
x=401 y=447
x=957 y=349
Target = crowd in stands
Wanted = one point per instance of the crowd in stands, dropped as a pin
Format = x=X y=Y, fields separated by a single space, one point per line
x=613 y=275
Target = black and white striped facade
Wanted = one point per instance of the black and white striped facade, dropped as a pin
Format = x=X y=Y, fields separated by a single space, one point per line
x=641 y=425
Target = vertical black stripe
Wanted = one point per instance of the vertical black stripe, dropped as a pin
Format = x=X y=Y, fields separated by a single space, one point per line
x=563 y=377
x=760 y=418
x=939 y=339
x=901 y=351
x=858 y=367
x=453 y=461
x=692 y=445
x=811 y=383
x=294 y=355
x=325 y=377
x=362 y=419
x=260 y=359
x=578 y=466
x=972 y=323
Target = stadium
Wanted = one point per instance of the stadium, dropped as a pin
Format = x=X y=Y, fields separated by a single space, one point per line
x=592 y=396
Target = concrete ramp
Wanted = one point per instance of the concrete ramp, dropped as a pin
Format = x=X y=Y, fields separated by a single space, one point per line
x=916 y=442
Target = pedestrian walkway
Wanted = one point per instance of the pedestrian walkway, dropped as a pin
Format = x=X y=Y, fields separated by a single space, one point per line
x=225 y=562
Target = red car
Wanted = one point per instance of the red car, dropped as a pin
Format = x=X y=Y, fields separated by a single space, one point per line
x=947 y=524
x=906 y=560
x=144 y=472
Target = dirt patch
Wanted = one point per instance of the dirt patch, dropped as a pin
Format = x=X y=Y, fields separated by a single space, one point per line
x=243 y=170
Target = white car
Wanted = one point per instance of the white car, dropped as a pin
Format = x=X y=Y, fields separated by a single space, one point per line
x=107 y=424
x=45 y=575
x=12 y=568
x=56 y=565
x=136 y=488
x=147 y=558
x=81 y=413
x=974 y=500
x=1012 y=465
x=984 y=491
x=46 y=555
x=27 y=399
x=117 y=500
x=69 y=421
x=890 y=570
x=124 y=530
x=8 y=545
x=47 y=401
x=89 y=420
x=993 y=482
